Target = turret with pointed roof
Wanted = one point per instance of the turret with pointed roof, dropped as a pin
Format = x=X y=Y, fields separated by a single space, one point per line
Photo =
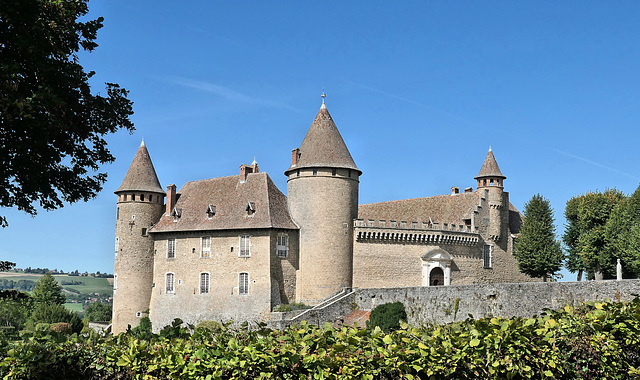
x=322 y=186
x=490 y=174
x=141 y=175
x=140 y=205
x=323 y=146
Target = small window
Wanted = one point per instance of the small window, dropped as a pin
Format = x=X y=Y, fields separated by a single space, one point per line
x=251 y=208
x=133 y=197
x=414 y=225
x=486 y=256
x=117 y=245
x=333 y=172
x=298 y=173
x=211 y=211
x=282 y=249
x=115 y=281
x=144 y=232
x=393 y=224
x=142 y=197
x=245 y=246
x=204 y=283
x=403 y=224
x=243 y=283
x=118 y=213
x=383 y=223
x=171 y=248
x=315 y=171
x=205 y=244
x=150 y=198
x=371 y=223
x=169 y=283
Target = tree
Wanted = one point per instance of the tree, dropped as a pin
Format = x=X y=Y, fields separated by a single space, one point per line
x=622 y=232
x=52 y=127
x=6 y=265
x=98 y=312
x=585 y=235
x=48 y=291
x=537 y=251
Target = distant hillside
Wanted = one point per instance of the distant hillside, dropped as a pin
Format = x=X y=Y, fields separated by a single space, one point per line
x=80 y=290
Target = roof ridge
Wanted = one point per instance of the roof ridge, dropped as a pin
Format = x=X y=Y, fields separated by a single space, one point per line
x=417 y=198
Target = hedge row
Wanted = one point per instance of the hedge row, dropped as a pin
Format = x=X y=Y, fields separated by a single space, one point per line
x=594 y=341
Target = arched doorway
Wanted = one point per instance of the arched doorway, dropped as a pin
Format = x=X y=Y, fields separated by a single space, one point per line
x=436 y=277
x=436 y=268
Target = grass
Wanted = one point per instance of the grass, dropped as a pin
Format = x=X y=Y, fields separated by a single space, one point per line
x=90 y=284
x=74 y=306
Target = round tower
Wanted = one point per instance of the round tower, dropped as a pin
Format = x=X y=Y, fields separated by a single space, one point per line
x=491 y=179
x=322 y=188
x=140 y=206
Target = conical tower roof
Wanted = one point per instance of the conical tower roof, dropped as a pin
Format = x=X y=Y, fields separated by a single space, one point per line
x=490 y=167
x=141 y=175
x=323 y=145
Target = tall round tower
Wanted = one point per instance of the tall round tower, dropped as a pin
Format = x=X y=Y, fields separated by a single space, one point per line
x=491 y=179
x=140 y=206
x=322 y=187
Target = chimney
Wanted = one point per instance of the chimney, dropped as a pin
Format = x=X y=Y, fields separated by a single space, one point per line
x=171 y=198
x=455 y=190
x=468 y=190
x=295 y=155
x=245 y=170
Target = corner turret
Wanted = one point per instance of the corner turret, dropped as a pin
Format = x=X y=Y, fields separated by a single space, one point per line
x=491 y=182
x=323 y=183
x=140 y=205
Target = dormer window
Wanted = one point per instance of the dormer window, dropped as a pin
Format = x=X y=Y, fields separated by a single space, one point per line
x=211 y=211
x=176 y=213
x=251 y=208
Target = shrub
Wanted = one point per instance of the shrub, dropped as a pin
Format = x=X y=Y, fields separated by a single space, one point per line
x=387 y=316
x=213 y=326
x=143 y=330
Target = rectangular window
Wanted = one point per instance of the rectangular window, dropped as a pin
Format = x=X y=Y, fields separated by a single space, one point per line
x=144 y=232
x=205 y=243
x=117 y=245
x=282 y=249
x=333 y=172
x=486 y=256
x=383 y=223
x=171 y=248
x=204 y=283
x=245 y=246
x=170 y=279
x=243 y=283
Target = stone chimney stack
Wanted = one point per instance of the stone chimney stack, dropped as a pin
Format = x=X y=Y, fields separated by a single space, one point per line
x=295 y=154
x=455 y=190
x=171 y=198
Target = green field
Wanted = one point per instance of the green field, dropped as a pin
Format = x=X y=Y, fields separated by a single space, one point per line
x=87 y=290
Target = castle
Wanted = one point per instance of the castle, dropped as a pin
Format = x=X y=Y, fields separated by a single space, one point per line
x=233 y=248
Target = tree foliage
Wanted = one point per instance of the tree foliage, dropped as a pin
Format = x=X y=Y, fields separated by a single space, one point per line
x=622 y=232
x=589 y=245
x=98 y=312
x=387 y=316
x=48 y=291
x=537 y=251
x=52 y=128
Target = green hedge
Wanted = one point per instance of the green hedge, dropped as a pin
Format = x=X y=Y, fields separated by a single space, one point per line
x=594 y=341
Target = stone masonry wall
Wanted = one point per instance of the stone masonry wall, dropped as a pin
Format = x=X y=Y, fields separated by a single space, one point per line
x=222 y=303
x=437 y=304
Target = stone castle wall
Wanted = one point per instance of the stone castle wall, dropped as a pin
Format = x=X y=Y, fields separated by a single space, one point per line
x=133 y=267
x=223 y=302
x=324 y=206
x=437 y=304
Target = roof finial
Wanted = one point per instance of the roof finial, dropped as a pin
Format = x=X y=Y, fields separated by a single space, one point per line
x=489 y=148
x=142 y=143
x=254 y=161
x=323 y=96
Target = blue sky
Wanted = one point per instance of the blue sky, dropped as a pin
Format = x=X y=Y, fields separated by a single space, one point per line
x=419 y=91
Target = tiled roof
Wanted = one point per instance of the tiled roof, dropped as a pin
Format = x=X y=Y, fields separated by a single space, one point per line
x=323 y=145
x=490 y=167
x=141 y=175
x=440 y=208
x=231 y=199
